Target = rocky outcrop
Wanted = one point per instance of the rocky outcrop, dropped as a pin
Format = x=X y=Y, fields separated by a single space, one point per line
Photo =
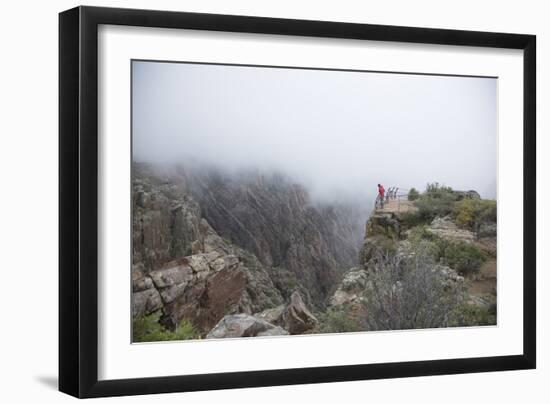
x=448 y=230
x=382 y=231
x=383 y=224
x=244 y=325
x=212 y=285
x=351 y=288
x=203 y=288
x=199 y=288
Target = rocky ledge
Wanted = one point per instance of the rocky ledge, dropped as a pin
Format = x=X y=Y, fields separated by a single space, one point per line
x=448 y=230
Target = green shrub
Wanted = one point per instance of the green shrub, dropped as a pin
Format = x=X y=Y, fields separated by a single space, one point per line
x=419 y=233
x=337 y=320
x=473 y=213
x=467 y=315
x=432 y=205
x=413 y=194
x=437 y=200
x=435 y=190
x=148 y=329
x=408 y=220
x=461 y=256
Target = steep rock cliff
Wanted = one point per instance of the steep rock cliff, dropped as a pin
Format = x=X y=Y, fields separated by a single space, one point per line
x=182 y=267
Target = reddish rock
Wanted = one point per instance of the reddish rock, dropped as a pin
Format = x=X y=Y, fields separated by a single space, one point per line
x=205 y=302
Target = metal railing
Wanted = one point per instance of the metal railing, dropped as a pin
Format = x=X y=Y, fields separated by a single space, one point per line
x=393 y=193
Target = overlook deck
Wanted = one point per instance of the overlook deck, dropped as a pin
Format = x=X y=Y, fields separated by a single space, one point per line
x=397 y=206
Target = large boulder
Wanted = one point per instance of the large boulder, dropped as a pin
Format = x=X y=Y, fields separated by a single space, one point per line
x=273 y=315
x=296 y=317
x=244 y=325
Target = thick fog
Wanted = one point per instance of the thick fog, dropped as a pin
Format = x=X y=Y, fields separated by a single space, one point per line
x=338 y=133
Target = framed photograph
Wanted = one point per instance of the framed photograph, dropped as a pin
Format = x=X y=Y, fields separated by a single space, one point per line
x=250 y=201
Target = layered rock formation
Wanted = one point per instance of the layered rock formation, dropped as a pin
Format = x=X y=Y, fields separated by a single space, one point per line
x=203 y=288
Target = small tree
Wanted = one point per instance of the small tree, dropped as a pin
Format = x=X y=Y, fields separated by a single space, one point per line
x=413 y=194
x=435 y=189
x=410 y=291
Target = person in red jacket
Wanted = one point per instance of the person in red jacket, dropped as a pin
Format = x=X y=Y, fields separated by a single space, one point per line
x=381 y=192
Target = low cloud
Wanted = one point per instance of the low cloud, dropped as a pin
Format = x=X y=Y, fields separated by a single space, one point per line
x=338 y=133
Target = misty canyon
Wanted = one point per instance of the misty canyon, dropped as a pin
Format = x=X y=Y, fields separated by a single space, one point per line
x=207 y=244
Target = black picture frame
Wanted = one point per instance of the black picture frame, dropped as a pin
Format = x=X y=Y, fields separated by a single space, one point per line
x=78 y=201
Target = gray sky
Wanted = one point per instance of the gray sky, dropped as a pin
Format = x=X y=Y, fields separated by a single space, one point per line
x=339 y=133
